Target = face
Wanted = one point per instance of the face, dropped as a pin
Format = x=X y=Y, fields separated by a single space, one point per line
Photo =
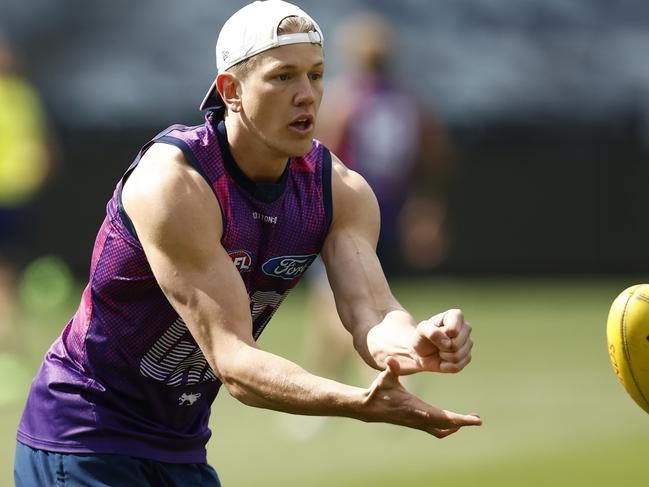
x=280 y=97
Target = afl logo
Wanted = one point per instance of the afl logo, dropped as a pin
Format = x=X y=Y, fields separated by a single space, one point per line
x=288 y=267
x=241 y=260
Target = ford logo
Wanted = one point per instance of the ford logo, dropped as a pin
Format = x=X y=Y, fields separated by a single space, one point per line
x=288 y=267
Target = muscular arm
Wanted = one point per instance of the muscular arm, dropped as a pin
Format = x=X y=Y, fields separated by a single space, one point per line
x=380 y=326
x=179 y=224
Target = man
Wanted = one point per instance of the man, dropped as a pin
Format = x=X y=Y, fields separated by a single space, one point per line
x=206 y=233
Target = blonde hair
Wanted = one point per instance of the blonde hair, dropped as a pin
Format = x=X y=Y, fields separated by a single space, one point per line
x=290 y=25
x=295 y=25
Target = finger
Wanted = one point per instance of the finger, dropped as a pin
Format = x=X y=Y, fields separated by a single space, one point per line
x=451 y=420
x=454 y=367
x=390 y=376
x=430 y=331
x=443 y=433
x=462 y=336
x=392 y=367
x=455 y=361
x=455 y=422
x=460 y=420
x=452 y=322
x=457 y=354
x=437 y=320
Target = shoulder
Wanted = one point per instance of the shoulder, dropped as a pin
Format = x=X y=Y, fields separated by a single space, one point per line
x=352 y=195
x=162 y=171
x=348 y=183
x=165 y=191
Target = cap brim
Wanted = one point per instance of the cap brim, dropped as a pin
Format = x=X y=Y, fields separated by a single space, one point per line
x=212 y=99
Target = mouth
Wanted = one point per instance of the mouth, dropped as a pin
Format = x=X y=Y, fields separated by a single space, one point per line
x=302 y=124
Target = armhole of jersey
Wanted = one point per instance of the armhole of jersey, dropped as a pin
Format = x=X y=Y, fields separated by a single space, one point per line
x=191 y=158
x=326 y=186
x=189 y=155
x=126 y=220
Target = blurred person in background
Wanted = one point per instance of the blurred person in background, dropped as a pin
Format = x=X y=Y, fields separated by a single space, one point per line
x=205 y=235
x=375 y=123
x=25 y=159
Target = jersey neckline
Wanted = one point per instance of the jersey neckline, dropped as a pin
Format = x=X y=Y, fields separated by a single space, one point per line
x=262 y=191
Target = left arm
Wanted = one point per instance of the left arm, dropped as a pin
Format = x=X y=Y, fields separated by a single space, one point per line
x=380 y=326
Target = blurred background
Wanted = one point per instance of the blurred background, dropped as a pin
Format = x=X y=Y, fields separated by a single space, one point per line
x=509 y=149
x=546 y=102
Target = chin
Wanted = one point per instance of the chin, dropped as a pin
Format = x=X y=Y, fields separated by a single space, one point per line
x=300 y=149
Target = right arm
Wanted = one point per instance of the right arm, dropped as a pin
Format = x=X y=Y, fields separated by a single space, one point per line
x=179 y=225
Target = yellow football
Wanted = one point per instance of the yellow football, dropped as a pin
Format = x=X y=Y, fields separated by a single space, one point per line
x=627 y=334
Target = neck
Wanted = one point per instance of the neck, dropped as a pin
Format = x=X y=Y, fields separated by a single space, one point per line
x=255 y=158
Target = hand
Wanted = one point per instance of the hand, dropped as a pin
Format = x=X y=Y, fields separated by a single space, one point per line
x=389 y=402
x=443 y=343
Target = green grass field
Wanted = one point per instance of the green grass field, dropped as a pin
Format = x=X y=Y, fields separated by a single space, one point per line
x=554 y=413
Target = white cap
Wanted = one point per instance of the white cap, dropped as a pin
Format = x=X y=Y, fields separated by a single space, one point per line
x=253 y=30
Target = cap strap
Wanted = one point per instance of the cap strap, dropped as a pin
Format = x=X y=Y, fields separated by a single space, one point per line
x=312 y=37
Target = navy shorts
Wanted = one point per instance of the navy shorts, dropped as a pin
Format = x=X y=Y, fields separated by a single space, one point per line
x=36 y=468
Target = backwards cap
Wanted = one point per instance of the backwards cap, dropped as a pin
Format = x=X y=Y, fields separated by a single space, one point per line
x=253 y=30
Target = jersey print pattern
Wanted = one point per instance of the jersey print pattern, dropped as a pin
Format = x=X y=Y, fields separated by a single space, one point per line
x=176 y=361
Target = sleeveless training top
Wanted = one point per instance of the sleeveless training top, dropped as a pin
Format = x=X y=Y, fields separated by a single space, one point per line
x=126 y=376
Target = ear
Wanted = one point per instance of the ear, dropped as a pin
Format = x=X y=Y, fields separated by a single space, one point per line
x=228 y=87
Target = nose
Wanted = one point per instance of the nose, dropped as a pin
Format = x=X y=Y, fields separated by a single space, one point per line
x=305 y=94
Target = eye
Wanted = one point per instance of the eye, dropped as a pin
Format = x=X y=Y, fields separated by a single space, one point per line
x=315 y=76
x=282 y=77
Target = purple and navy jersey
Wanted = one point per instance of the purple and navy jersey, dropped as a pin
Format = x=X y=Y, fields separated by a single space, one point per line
x=126 y=376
